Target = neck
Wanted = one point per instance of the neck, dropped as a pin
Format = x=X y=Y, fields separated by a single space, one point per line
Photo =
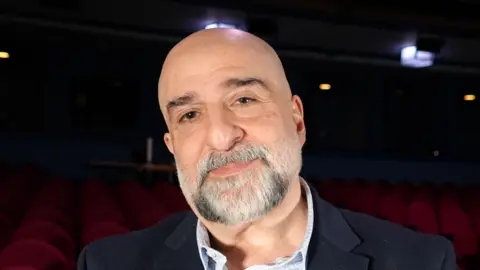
x=284 y=225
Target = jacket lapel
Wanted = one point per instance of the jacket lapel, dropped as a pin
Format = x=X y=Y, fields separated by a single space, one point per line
x=333 y=244
x=331 y=257
x=181 y=251
x=333 y=241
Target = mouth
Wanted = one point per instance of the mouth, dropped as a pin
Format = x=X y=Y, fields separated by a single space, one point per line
x=233 y=168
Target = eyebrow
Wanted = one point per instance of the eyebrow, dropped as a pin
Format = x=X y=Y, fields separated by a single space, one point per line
x=180 y=101
x=232 y=83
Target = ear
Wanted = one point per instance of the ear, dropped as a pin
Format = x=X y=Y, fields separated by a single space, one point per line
x=297 y=111
x=167 y=138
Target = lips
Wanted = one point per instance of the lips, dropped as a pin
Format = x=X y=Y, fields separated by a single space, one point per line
x=232 y=168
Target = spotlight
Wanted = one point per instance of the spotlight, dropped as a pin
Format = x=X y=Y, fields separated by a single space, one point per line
x=220 y=25
x=423 y=53
x=412 y=57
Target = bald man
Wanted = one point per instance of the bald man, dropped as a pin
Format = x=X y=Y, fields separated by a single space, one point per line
x=236 y=133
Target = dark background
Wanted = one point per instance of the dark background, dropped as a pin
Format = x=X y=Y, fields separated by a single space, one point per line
x=81 y=81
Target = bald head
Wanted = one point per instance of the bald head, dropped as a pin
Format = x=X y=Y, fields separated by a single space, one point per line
x=225 y=98
x=220 y=49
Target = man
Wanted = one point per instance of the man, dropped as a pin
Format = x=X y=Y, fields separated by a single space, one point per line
x=236 y=133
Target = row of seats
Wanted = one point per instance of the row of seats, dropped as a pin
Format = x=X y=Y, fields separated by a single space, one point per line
x=46 y=223
x=449 y=211
x=128 y=206
x=39 y=221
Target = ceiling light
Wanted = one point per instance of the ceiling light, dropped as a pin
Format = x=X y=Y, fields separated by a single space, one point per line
x=219 y=25
x=325 y=86
x=469 y=97
x=4 y=55
x=411 y=57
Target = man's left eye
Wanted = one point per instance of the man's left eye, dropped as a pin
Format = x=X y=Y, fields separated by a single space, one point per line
x=245 y=100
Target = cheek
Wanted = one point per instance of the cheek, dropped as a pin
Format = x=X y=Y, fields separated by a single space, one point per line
x=187 y=155
x=255 y=111
x=268 y=127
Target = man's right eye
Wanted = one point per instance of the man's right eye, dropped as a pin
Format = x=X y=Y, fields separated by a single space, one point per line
x=189 y=116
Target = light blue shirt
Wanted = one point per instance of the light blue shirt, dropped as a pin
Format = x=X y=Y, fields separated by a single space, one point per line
x=214 y=260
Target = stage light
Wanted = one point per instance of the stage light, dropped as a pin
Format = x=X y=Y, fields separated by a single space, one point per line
x=219 y=25
x=325 y=86
x=469 y=97
x=411 y=57
x=4 y=55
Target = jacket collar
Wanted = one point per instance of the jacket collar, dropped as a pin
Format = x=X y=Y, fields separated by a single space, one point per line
x=333 y=240
x=331 y=246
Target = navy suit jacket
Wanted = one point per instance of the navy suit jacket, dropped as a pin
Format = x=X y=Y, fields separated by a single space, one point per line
x=341 y=239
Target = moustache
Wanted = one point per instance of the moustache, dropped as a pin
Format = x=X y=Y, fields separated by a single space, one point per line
x=241 y=154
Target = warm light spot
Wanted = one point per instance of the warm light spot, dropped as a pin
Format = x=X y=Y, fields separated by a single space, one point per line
x=469 y=97
x=4 y=55
x=436 y=153
x=325 y=86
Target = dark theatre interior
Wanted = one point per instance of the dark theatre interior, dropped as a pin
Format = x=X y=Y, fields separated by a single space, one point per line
x=389 y=90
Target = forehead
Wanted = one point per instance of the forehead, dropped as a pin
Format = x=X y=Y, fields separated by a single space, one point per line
x=194 y=69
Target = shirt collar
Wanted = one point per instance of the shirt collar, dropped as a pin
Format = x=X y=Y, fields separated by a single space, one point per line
x=203 y=239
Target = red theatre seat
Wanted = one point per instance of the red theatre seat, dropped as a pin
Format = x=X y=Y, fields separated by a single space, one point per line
x=393 y=207
x=330 y=191
x=348 y=193
x=7 y=228
x=33 y=254
x=421 y=214
x=171 y=197
x=421 y=217
x=472 y=206
x=51 y=215
x=49 y=233
x=366 y=199
x=55 y=193
x=97 y=204
x=139 y=206
x=13 y=196
x=456 y=225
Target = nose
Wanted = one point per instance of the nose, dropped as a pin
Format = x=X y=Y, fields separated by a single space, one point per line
x=223 y=133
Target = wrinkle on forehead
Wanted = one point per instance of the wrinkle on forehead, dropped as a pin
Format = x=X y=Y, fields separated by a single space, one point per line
x=208 y=51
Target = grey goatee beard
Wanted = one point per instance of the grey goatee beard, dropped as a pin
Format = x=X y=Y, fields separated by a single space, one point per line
x=249 y=195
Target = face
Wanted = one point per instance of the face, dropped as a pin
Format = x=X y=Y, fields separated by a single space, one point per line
x=235 y=132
